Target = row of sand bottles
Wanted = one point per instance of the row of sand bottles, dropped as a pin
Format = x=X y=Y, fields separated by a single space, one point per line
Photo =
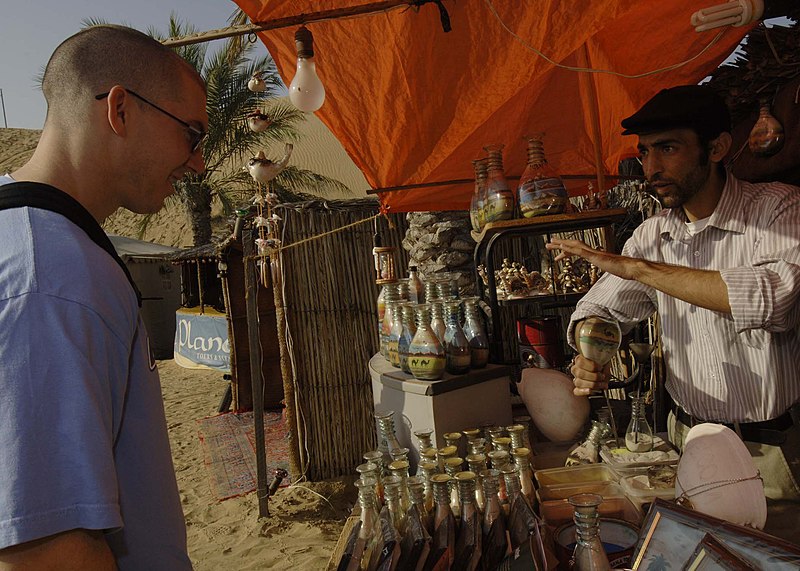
x=427 y=339
x=444 y=516
x=540 y=191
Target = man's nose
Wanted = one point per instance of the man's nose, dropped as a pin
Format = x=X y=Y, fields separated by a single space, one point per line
x=196 y=162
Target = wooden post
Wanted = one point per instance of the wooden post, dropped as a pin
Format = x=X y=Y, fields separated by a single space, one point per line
x=586 y=81
x=254 y=337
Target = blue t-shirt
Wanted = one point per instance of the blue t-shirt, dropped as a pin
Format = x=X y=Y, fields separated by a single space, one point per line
x=83 y=437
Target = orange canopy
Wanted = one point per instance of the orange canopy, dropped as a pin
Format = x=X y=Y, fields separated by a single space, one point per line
x=414 y=105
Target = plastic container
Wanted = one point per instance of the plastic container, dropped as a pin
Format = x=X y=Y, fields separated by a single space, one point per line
x=575 y=475
x=635 y=488
x=563 y=491
x=558 y=512
x=550 y=454
x=628 y=465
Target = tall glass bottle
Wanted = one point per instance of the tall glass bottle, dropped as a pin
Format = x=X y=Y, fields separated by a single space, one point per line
x=387 y=438
x=444 y=535
x=455 y=342
x=393 y=486
x=416 y=542
x=437 y=319
x=423 y=437
x=523 y=465
x=639 y=435
x=477 y=215
x=541 y=190
x=468 y=543
x=399 y=469
x=409 y=328
x=390 y=297
x=376 y=457
x=495 y=543
x=416 y=289
x=426 y=356
x=589 y=553
x=453 y=466
x=370 y=526
x=477 y=464
x=522 y=520
x=499 y=197
x=426 y=470
x=396 y=330
x=475 y=333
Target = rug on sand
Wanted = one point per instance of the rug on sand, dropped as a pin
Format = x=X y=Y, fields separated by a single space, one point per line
x=229 y=451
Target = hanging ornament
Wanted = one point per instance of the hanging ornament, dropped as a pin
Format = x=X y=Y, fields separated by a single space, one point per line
x=767 y=136
x=257 y=83
x=263 y=169
x=258 y=121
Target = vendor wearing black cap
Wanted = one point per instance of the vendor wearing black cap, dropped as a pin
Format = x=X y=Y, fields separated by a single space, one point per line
x=721 y=265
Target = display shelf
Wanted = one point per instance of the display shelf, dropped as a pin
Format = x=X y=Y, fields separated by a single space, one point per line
x=495 y=232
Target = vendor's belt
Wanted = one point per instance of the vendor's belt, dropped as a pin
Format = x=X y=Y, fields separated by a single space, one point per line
x=770 y=432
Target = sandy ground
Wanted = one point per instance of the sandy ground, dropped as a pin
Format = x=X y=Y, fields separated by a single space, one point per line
x=305 y=519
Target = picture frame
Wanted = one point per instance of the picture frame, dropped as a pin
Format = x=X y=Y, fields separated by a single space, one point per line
x=712 y=555
x=671 y=534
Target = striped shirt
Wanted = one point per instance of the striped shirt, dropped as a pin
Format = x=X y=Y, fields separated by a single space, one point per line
x=739 y=367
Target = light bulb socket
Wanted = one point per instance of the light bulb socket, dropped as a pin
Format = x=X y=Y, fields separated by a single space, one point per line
x=304 y=43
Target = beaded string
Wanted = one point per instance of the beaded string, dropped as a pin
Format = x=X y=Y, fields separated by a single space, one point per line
x=683 y=498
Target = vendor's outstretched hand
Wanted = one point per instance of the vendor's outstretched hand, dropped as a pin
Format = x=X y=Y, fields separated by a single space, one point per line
x=621 y=266
x=588 y=376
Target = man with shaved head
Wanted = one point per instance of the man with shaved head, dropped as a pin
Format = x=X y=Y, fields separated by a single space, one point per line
x=86 y=477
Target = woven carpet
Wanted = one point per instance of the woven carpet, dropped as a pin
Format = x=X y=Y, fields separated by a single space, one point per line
x=228 y=442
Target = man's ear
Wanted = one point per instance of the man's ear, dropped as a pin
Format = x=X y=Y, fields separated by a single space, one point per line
x=117 y=102
x=720 y=146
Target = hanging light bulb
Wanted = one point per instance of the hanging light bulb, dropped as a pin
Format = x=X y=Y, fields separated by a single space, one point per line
x=735 y=13
x=306 y=91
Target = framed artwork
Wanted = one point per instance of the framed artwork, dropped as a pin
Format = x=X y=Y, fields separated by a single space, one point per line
x=713 y=555
x=671 y=534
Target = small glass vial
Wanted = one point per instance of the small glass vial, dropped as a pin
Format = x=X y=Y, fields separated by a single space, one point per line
x=443 y=542
x=502 y=443
x=399 y=469
x=370 y=518
x=589 y=553
x=376 y=457
x=444 y=453
x=387 y=439
x=453 y=439
x=639 y=435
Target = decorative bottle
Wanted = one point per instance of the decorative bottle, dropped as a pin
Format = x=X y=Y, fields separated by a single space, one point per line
x=390 y=298
x=499 y=197
x=477 y=464
x=409 y=328
x=523 y=465
x=426 y=470
x=444 y=535
x=393 y=486
x=477 y=215
x=455 y=342
x=522 y=520
x=370 y=525
x=541 y=190
x=767 y=136
x=399 y=469
x=416 y=289
x=495 y=543
x=426 y=356
x=468 y=544
x=587 y=452
x=598 y=339
x=376 y=457
x=387 y=439
x=396 y=330
x=475 y=333
x=416 y=542
x=639 y=435
x=423 y=437
x=453 y=466
x=437 y=319
x=589 y=554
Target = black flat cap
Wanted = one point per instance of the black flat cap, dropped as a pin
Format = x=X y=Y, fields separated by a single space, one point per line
x=686 y=106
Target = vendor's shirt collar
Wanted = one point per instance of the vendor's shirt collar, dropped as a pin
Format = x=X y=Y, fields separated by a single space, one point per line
x=729 y=214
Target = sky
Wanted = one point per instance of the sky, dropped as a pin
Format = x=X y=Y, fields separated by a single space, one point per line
x=31 y=29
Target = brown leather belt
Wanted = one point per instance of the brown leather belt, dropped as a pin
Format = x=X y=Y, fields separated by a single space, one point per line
x=764 y=432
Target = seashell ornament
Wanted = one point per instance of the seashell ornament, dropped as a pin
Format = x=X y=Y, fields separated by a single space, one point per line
x=258 y=122
x=263 y=169
x=257 y=83
x=598 y=339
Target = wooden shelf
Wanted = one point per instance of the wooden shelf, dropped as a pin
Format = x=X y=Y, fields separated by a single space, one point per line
x=553 y=223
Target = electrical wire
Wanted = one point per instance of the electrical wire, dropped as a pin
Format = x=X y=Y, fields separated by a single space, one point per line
x=529 y=47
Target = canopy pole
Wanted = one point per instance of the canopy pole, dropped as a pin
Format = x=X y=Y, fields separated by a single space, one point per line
x=292 y=21
x=586 y=81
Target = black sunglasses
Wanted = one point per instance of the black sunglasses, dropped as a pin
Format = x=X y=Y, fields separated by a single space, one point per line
x=198 y=136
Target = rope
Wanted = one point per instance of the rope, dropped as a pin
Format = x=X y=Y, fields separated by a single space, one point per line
x=279 y=249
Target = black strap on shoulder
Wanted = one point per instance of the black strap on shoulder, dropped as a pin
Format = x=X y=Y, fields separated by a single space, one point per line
x=46 y=197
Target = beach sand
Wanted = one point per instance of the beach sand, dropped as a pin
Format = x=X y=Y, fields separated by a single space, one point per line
x=303 y=527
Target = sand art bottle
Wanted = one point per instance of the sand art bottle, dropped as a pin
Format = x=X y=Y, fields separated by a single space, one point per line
x=499 y=197
x=468 y=544
x=495 y=543
x=541 y=190
x=426 y=356
x=444 y=535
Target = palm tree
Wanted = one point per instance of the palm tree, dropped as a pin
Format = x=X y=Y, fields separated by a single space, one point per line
x=230 y=141
x=226 y=74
